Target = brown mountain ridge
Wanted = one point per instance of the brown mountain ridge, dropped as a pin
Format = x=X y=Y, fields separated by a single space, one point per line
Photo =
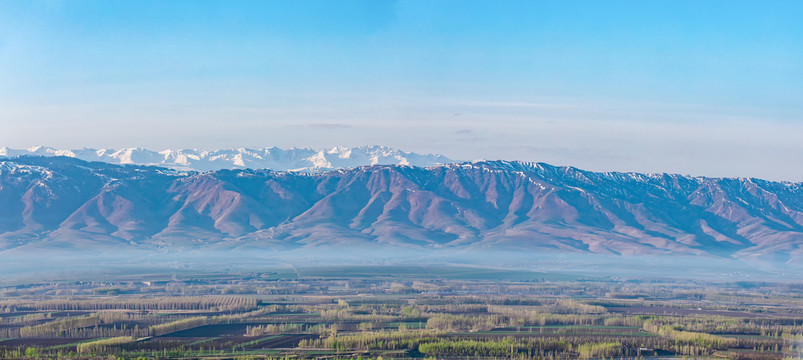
x=65 y=202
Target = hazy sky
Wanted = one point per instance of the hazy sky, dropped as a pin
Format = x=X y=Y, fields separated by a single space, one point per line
x=696 y=87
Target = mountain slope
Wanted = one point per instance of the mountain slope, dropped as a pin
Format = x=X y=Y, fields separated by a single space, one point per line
x=506 y=205
x=295 y=159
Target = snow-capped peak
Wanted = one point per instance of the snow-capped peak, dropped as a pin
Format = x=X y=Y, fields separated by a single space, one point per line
x=295 y=159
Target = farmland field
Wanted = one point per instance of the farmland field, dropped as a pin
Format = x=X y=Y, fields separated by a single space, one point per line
x=400 y=312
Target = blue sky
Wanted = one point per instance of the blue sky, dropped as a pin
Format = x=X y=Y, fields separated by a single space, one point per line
x=697 y=87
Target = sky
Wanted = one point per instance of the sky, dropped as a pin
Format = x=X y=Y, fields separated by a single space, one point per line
x=712 y=88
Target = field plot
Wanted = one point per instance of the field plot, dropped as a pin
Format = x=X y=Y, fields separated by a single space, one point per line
x=212 y=330
x=400 y=312
x=669 y=311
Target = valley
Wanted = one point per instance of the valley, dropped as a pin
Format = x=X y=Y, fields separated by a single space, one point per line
x=400 y=312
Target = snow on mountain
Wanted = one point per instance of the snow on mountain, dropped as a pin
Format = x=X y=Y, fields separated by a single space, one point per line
x=536 y=208
x=293 y=159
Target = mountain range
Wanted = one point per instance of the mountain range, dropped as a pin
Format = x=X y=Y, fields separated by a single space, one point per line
x=293 y=159
x=66 y=202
